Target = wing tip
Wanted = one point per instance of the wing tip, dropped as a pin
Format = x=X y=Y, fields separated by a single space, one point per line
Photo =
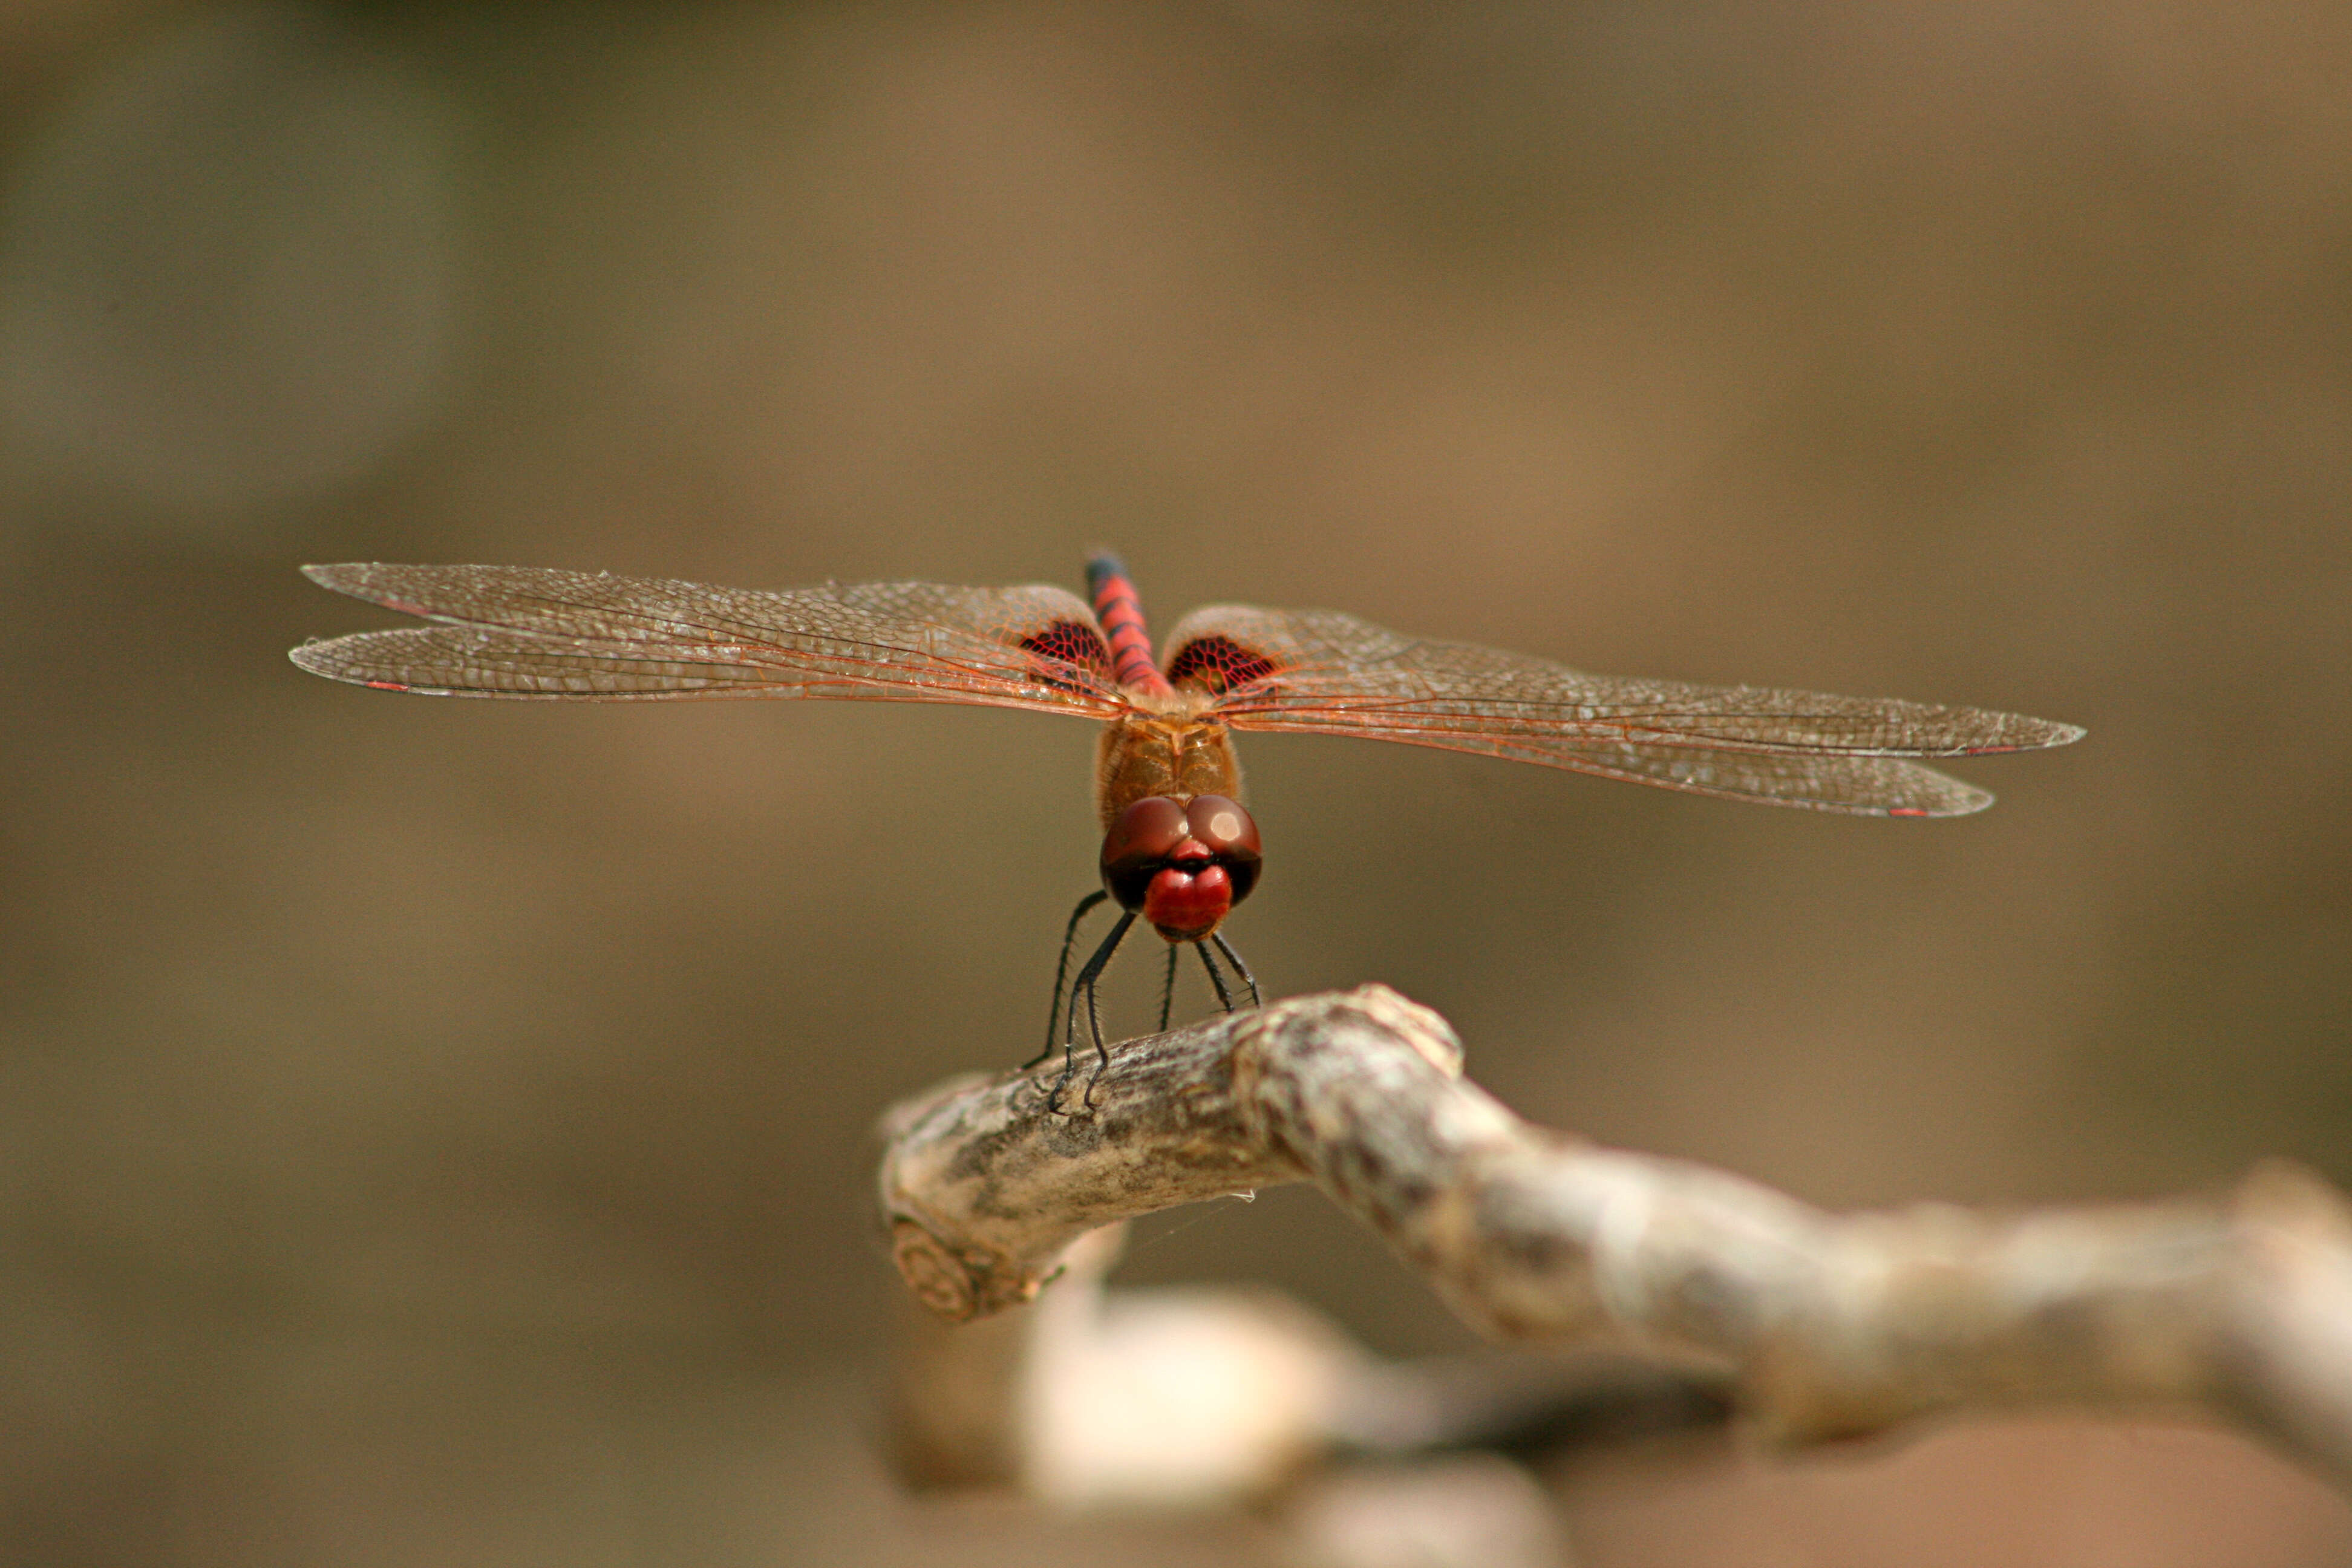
x=380 y=582
x=1967 y=805
x=2025 y=733
x=335 y=573
x=1928 y=794
x=360 y=579
x=318 y=656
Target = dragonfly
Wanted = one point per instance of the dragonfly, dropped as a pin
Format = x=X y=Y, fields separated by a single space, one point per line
x=1179 y=848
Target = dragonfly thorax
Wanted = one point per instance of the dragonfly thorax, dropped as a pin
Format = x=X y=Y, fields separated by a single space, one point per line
x=1176 y=756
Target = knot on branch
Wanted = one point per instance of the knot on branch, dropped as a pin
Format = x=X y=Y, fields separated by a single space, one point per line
x=956 y=1286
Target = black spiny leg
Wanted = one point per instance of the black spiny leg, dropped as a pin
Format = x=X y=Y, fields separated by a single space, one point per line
x=1216 y=977
x=1168 y=989
x=1061 y=972
x=1239 y=967
x=1086 y=983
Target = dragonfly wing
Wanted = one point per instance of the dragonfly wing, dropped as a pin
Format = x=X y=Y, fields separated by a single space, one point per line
x=1326 y=673
x=479 y=661
x=1841 y=782
x=518 y=631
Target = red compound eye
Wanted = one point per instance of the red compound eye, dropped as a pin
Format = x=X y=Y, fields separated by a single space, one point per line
x=1232 y=836
x=1139 y=844
x=1221 y=825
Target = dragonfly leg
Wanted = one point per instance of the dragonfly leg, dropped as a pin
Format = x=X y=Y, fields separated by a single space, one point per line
x=1216 y=977
x=1239 y=967
x=1168 y=989
x=1061 y=972
x=1085 y=984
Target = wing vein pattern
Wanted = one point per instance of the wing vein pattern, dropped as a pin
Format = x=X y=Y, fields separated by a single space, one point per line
x=1321 y=673
x=531 y=632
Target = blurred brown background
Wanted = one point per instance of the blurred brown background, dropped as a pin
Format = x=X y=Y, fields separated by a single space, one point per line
x=438 y=1133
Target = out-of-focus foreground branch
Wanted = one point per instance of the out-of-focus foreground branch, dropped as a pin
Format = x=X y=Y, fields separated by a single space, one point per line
x=1829 y=1325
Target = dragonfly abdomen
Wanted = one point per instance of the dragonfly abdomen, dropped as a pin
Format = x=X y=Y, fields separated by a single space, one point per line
x=1122 y=613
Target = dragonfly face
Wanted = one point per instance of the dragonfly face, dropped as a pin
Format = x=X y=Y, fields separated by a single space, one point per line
x=1181 y=865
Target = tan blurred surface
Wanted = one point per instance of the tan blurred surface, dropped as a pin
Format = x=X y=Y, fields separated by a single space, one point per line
x=438 y=1132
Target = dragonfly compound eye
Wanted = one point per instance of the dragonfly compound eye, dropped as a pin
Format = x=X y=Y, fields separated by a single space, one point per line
x=1232 y=836
x=1138 y=845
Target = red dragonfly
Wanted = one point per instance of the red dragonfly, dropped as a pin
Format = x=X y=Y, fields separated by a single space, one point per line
x=1178 y=849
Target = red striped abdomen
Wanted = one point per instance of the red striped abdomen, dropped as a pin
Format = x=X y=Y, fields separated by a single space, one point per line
x=1121 y=614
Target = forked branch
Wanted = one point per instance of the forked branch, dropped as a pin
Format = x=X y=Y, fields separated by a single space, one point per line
x=1833 y=1325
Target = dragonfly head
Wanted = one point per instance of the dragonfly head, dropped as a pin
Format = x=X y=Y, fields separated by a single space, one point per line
x=1181 y=865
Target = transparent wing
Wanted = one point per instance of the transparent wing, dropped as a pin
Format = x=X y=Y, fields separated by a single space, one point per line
x=1325 y=673
x=522 y=631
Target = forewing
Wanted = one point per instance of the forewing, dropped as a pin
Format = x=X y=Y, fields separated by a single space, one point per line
x=1325 y=673
x=531 y=632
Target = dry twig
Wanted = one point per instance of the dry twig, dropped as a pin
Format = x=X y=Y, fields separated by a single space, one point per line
x=1833 y=1325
